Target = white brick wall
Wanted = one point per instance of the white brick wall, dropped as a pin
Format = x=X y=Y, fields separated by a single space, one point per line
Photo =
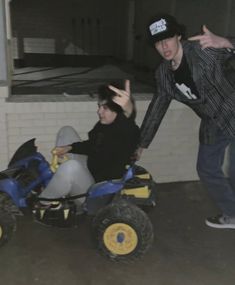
x=173 y=152
x=42 y=120
x=171 y=156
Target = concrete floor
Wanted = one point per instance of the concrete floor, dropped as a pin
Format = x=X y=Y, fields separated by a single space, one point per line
x=185 y=251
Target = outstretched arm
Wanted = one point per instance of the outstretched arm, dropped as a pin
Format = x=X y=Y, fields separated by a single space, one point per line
x=210 y=40
x=62 y=150
x=82 y=147
x=123 y=98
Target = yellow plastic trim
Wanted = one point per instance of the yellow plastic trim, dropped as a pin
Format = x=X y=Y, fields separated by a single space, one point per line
x=120 y=238
x=42 y=212
x=143 y=176
x=138 y=192
x=1 y=232
x=66 y=214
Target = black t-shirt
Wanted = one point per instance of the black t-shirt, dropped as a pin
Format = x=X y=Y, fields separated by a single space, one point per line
x=109 y=148
x=184 y=81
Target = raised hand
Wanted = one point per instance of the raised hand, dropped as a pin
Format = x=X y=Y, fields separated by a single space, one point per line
x=123 y=98
x=208 y=40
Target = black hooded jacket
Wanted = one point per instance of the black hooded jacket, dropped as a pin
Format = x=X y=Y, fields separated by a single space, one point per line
x=109 y=148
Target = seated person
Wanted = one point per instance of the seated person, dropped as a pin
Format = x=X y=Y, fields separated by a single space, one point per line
x=109 y=148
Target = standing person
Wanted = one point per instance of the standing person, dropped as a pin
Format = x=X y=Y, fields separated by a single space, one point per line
x=109 y=148
x=193 y=72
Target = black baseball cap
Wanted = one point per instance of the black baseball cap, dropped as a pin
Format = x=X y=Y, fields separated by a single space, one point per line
x=164 y=26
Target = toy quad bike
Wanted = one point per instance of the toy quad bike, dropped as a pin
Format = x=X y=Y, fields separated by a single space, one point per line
x=122 y=229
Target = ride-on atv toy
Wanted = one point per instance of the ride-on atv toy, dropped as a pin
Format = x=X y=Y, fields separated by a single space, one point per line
x=121 y=228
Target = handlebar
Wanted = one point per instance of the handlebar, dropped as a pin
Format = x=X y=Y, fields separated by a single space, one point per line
x=56 y=161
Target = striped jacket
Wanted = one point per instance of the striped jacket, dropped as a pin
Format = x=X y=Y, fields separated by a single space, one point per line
x=215 y=82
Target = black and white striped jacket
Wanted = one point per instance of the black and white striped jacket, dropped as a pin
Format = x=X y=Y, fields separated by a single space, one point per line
x=215 y=82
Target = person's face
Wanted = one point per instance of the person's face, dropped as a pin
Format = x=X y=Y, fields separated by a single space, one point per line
x=169 y=48
x=106 y=116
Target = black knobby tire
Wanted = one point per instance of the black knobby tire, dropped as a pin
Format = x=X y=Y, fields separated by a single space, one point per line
x=7 y=219
x=128 y=227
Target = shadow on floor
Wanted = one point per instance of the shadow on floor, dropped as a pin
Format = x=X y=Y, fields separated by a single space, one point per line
x=185 y=250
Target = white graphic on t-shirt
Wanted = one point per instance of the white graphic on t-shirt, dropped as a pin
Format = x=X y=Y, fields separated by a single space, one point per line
x=186 y=91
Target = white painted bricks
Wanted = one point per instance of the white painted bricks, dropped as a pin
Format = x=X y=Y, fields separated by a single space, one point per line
x=170 y=157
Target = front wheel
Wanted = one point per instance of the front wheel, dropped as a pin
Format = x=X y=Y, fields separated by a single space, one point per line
x=7 y=226
x=123 y=231
x=7 y=219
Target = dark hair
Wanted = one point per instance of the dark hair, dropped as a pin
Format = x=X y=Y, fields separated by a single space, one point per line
x=105 y=94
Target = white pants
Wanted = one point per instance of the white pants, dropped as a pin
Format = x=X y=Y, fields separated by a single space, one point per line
x=73 y=176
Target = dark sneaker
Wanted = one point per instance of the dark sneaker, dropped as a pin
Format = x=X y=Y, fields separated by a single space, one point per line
x=221 y=222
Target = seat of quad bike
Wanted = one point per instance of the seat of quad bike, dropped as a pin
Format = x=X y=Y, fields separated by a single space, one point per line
x=10 y=172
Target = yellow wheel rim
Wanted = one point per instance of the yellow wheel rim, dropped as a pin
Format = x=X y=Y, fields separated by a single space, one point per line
x=120 y=238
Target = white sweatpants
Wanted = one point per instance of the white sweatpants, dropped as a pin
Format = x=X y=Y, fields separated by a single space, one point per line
x=73 y=176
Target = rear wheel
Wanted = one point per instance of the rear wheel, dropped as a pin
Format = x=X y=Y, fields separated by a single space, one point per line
x=123 y=231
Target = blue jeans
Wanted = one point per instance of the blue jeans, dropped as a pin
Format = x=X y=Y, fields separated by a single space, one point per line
x=209 y=168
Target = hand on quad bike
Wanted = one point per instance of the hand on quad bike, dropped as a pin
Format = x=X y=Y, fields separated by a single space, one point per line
x=137 y=154
x=58 y=156
x=61 y=150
